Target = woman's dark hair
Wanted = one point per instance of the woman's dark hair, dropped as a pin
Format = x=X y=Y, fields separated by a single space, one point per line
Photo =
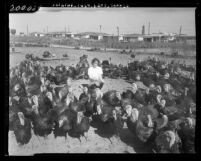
x=95 y=59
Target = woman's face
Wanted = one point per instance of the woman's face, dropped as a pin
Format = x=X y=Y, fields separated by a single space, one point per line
x=95 y=64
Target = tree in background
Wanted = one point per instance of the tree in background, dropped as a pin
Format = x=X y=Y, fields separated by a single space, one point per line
x=13 y=31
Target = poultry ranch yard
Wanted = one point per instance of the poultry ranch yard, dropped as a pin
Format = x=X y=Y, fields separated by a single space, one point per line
x=96 y=143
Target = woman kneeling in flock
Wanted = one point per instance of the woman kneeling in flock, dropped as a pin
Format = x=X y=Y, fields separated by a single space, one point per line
x=95 y=73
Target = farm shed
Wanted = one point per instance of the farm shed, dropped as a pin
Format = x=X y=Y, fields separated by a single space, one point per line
x=131 y=38
x=92 y=35
x=37 y=34
x=186 y=38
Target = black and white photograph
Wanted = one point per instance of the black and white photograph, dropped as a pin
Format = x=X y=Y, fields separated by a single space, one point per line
x=102 y=80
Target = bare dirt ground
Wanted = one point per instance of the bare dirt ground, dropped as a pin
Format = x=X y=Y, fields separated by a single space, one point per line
x=96 y=143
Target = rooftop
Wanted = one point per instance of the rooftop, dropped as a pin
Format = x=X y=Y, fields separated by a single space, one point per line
x=59 y=32
x=37 y=33
x=94 y=33
x=132 y=35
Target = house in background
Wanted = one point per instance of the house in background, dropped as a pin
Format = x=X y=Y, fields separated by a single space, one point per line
x=155 y=37
x=92 y=36
x=37 y=34
x=82 y=35
x=160 y=37
x=65 y=34
x=98 y=36
x=54 y=34
x=131 y=37
x=69 y=34
x=171 y=37
x=60 y=34
x=21 y=34
x=121 y=38
x=186 y=38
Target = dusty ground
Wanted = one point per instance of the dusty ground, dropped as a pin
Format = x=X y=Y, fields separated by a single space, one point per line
x=97 y=143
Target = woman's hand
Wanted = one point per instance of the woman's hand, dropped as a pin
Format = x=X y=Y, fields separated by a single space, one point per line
x=102 y=80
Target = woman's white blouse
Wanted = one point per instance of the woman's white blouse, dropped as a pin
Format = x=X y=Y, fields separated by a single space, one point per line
x=95 y=73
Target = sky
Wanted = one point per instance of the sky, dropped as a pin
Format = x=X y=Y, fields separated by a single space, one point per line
x=129 y=20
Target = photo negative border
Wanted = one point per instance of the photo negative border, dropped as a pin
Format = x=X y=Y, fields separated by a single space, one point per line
x=7 y=8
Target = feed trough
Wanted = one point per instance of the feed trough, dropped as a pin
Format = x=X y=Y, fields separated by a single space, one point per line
x=50 y=59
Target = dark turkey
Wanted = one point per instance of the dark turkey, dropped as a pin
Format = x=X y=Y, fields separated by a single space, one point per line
x=22 y=129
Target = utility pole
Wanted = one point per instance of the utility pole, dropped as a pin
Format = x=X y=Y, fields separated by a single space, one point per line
x=27 y=30
x=143 y=30
x=180 y=30
x=65 y=29
x=118 y=31
x=47 y=29
x=100 y=28
x=149 y=29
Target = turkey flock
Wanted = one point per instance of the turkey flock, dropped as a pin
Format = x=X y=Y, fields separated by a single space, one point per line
x=159 y=109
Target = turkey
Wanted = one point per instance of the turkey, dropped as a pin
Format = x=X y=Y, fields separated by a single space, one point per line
x=139 y=94
x=47 y=54
x=18 y=90
x=151 y=95
x=25 y=106
x=22 y=129
x=13 y=110
x=184 y=100
x=128 y=98
x=128 y=94
x=167 y=142
x=60 y=78
x=133 y=56
x=105 y=112
x=85 y=95
x=43 y=125
x=141 y=121
x=64 y=122
x=81 y=126
x=105 y=63
x=187 y=134
x=62 y=92
x=169 y=98
x=112 y=98
x=34 y=84
x=43 y=103
x=144 y=130
x=107 y=118
x=131 y=116
x=88 y=101
x=107 y=121
x=82 y=67
x=77 y=107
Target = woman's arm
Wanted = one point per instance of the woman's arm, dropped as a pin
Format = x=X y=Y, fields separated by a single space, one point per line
x=101 y=75
x=89 y=73
x=101 y=78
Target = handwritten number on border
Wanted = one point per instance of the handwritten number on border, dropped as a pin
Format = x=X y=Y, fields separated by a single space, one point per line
x=24 y=8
